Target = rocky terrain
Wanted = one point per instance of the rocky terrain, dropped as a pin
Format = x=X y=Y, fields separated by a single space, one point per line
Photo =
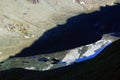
x=23 y=21
x=106 y=66
x=59 y=40
x=59 y=59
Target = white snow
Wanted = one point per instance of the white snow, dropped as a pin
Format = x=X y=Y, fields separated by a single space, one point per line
x=75 y=54
x=26 y=37
x=82 y=2
x=71 y=56
x=94 y=47
x=30 y=68
x=73 y=0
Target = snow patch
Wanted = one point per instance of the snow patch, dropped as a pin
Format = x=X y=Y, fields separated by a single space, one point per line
x=82 y=2
x=71 y=56
x=92 y=51
x=26 y=37
x=93 y=47
x=30 y=68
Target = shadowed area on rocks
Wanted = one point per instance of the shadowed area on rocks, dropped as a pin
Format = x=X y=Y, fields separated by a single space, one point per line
x=78 y=31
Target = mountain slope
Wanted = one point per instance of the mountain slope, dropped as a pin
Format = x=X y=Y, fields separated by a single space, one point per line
x=23 y=22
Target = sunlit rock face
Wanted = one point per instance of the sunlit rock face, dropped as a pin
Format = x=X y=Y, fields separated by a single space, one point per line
x=24 y=21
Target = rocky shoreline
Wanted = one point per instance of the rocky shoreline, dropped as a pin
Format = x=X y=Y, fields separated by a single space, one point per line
x=103 y=67
x=59 y=59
